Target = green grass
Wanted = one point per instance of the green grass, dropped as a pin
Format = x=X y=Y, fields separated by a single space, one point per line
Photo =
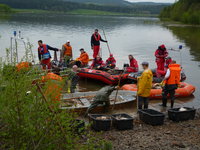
x=31 y=11
x=82 y=12
x=93 y=12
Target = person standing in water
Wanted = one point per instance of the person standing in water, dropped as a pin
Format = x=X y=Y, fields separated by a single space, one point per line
x=44 y=54
x=95 y=42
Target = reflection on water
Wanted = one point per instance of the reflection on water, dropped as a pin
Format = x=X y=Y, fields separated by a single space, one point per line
x=126 y=35
x=191 y=38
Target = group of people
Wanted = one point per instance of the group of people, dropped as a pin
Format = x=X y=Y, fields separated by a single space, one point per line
x=165 y=67
x=170 y=83
x=66 y=56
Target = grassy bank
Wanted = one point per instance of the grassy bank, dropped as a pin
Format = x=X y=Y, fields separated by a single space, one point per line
x=82 y=12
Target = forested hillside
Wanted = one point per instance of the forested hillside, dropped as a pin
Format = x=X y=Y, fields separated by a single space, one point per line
x=5 y=8
x=186 y=11
x=60 y=5
x=103 y=2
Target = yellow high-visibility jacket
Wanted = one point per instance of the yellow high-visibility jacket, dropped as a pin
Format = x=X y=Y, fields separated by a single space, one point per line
x=145 y=83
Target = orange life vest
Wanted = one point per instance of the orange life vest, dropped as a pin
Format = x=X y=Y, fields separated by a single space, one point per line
x=54 y=87
x=22 y=65
x=175 y=71
x=68 y=50
x=44 y=52
x=51 y=76
x=84 y=58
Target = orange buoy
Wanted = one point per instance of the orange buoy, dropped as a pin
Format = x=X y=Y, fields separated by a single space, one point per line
x=185 y=90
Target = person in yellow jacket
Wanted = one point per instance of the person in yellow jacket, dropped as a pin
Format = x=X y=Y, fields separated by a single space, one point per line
x=144 y=86
x=66 y=53
x=171 y=81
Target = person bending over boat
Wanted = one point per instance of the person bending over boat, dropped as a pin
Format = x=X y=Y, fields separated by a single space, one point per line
x=144 y=86
x=66 y=54
x=161 y=54
x=171 y=81
x=111 y=62
x=83 y=60
x=101 y=98
x=44 y=54
x=95 y=42
x=73 y=79
x=133 y=67
x=98 y=63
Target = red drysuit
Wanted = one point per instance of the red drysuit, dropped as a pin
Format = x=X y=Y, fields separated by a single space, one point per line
x=133 y=66
x=160 y=59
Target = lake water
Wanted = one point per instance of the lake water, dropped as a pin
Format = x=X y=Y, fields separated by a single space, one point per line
x=126 y=35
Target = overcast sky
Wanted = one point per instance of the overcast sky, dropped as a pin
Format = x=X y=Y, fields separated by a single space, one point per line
x=159 y=1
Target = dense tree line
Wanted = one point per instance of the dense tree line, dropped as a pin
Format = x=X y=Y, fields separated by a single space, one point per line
x=59 y=5
x=186 y=11
x=5 y=8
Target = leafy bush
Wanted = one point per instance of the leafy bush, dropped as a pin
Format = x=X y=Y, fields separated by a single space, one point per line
x=29 y=120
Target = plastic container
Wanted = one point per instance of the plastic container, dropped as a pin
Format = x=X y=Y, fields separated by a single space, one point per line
x=78 y=126
x=100 y=124
x=152 y=117
x=176 y=115
x=122 y=121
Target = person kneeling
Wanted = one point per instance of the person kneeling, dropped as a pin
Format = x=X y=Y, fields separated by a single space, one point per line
x=144 y=86
x=98 y=63
x=111 y=62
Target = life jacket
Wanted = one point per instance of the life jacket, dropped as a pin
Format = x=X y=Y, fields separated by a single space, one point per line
x=97 y=37
x=51 y=76
x=44 y=52
x=97 y=63
x=54 y=86
x=68 y=50
x=84 y=58
x=111 y=61
x=175 y=71
x=23 y=66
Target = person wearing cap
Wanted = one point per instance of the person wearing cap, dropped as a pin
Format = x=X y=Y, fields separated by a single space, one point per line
x=84 y=58
x=66 y=53
x=161 y=54
x=133 y=67
x=95 y=42
x=144 y=86
x=111 y=62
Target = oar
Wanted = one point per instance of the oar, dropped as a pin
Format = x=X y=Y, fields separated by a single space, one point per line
x=117 y=90
x=106 y=42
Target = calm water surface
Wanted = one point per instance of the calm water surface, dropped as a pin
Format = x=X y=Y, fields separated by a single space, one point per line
x=126 y=35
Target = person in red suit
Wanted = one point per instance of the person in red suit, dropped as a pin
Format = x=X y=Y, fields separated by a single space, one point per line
x=97 y=63
x=95 y=43
x=133 y=67
x=111 y=62
x=160 y=54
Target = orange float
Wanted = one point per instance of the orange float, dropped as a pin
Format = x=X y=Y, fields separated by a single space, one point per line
x=54 y=86
x=185 y=90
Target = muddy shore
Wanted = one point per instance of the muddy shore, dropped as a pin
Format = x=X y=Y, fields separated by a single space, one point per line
x=183 y=135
